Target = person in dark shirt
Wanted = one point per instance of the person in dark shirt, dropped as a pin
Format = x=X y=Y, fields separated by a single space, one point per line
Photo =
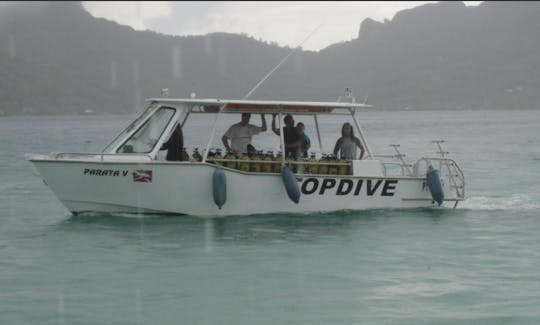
x=290 y=135
x=174 y=145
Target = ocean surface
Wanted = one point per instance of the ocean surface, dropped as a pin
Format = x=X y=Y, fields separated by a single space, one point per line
x=477 y=264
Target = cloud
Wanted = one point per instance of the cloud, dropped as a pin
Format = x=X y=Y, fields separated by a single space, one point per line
x=134 y=14
x=286 y=23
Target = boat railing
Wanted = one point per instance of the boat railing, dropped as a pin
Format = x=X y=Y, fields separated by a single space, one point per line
x=101 y=156
x=397 y=159
x=389 y=166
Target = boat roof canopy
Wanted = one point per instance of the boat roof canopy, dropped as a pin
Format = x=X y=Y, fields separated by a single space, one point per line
x=259 y=106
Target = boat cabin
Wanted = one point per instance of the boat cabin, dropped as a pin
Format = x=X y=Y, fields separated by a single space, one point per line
x=145 y=136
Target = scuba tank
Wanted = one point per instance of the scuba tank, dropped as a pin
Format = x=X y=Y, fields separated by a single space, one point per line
x=267 y=165
x=196 y=155
x=210 y=157
x=332 y=169
x=184 y=155
x=255 y=165
x=251 y=151
x=343 y=169
x=323 y=167
x=277 y=163
x=217 y=157
x=244 y=163
x=230 y=156
x=313 y=169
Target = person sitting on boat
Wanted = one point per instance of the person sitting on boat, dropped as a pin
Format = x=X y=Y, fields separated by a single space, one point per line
x=240 y=134
x=174 y=145
x=347 y=144
x=303 y=141
x=290 y=135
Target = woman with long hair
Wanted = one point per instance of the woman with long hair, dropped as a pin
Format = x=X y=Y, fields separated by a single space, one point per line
x=346 y=145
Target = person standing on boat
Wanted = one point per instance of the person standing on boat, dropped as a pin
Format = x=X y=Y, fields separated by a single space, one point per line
x=346 y=145
x=290 y=135
x=174 y=145
x=303 y=141
x=240 y=134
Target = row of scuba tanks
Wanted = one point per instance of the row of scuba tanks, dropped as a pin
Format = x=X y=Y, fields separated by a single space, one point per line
x=261 y=162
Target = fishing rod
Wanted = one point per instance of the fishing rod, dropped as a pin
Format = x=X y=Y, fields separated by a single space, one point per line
x=281 y=62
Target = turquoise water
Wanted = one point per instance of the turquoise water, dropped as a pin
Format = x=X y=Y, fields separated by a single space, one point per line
x=479 y=264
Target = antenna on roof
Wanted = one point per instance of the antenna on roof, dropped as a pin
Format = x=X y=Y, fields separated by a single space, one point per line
x=348 y=98
x=280 y=63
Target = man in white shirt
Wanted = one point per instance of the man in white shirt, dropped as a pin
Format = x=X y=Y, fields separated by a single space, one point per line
x=240 y=134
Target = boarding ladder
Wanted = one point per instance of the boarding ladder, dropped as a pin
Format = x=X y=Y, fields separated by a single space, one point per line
x=454 y=173
x=448 y=168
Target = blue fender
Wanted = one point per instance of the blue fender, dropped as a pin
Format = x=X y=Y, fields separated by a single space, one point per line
x=219 y=187
x=433 y=180
x=291 y=185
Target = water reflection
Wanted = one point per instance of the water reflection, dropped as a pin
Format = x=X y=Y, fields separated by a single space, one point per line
x=247 y=230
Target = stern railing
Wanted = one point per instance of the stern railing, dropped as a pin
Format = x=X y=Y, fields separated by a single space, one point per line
x=447 y=167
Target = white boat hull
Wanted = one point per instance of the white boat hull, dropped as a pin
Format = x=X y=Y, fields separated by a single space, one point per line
x=186 y=188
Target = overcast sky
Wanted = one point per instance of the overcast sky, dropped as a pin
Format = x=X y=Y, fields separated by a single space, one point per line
x=286 y=23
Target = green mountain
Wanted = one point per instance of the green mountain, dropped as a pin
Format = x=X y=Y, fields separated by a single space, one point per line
x=56 y=58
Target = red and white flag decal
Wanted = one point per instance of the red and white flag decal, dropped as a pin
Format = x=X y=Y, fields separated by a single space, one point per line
x=142 y=176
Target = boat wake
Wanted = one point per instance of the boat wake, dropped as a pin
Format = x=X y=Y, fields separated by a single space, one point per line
x=522 y=202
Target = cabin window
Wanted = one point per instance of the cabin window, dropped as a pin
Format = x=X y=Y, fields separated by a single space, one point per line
x=119 y=138
x=146 y=137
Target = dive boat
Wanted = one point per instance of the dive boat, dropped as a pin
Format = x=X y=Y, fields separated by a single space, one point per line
x=131 y=176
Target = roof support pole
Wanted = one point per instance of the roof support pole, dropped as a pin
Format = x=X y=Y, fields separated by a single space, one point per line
x=213 y=134
x=185 y=119
x=368 y=150
x=318 y=132
x=282 y=140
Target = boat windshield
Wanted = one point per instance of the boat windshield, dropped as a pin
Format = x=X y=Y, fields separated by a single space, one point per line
x=120 y=137
x=146 y=137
